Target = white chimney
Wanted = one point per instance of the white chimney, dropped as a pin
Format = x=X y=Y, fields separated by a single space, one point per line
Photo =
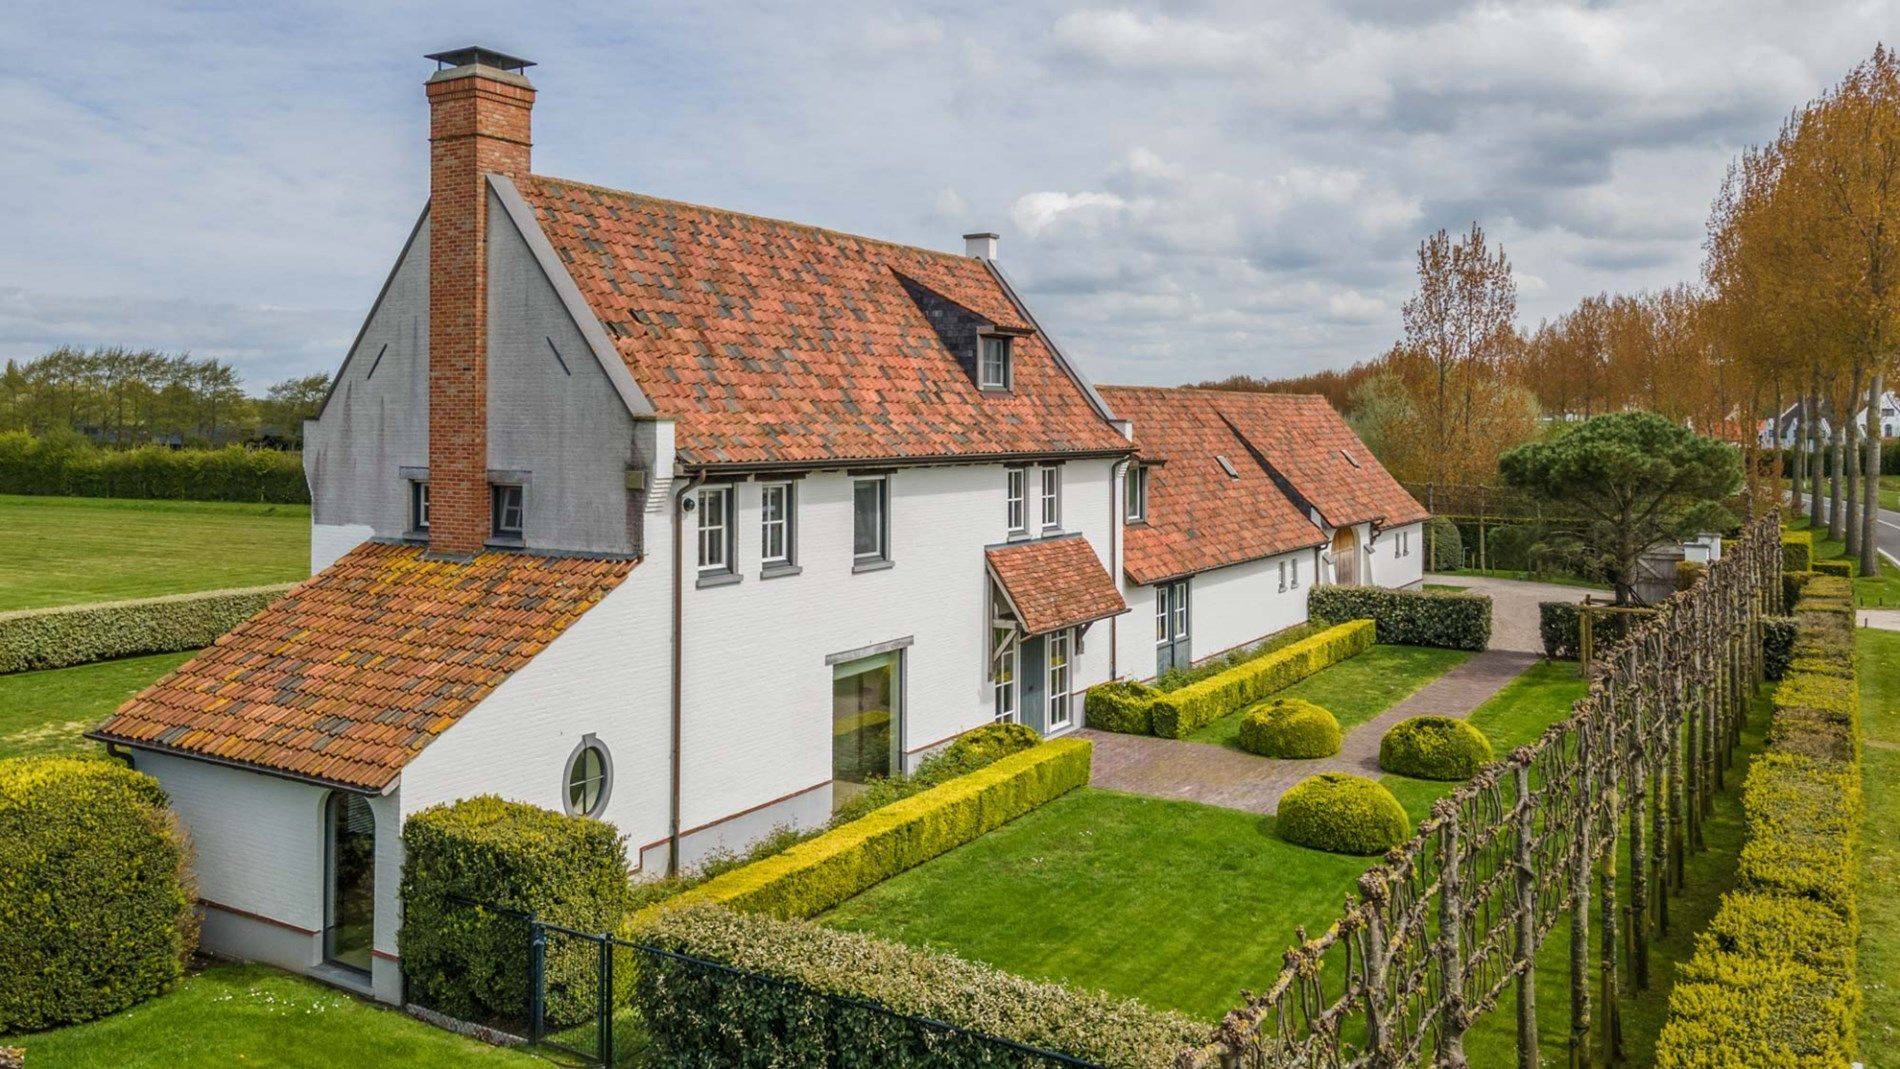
x=981 y=246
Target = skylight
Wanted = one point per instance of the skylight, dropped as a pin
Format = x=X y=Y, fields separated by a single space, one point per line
x=1227 y=466
x=1350 y=459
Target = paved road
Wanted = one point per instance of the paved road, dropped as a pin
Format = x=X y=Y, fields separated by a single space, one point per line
x=1886 y=532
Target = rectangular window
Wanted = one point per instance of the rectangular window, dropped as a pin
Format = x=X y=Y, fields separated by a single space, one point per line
x=1003 y=685
x=1171 y=626
x=1051 y=498
x=1296 y=571
x=866 y=717
x=1018 y=500
x=1060 y=643
x=870 y=519
x=1282 y=575
x=715 y=529
x=418 y=505
x=505 y=510
x=775 y=523
x=993 y=370
x=1135 y=490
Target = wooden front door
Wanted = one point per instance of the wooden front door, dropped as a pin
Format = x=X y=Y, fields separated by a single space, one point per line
x=1345 y=556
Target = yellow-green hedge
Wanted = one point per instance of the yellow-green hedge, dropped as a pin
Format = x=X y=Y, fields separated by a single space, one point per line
x=80 y=634
x=820 y=873
x=1773 y=981
x=1797 y=551
x=1138 y=710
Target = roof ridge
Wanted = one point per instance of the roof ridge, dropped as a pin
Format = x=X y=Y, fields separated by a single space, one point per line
x=753 y=216
x=1215 y=391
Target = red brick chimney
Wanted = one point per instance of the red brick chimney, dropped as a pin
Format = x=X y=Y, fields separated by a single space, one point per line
x=479 y=103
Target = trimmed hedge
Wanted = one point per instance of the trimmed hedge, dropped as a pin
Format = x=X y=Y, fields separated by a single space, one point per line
x=80 y=634
x=972 y=750
x=1176 y=678
x=1777 y=645
x=1689 y=573
x=1446 y=544
x=71 y=466
x=473 y=964
x=698 y=1016
x=1444 y=618
x=1839 y=566
x=1557 y=624
x=1774 y=979
x=1792 y=584
x=1137 y=709
x=821 y=872
x=1797 y=551
x=1434 y=747
x=1291 y=728
x=1342 y=814
x=96 y=891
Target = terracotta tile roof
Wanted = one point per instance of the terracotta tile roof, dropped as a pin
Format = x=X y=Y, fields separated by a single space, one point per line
x=1199 y=516
x=1055 y=583
x=1309 y=443
x=354 y=671
x=771 y=342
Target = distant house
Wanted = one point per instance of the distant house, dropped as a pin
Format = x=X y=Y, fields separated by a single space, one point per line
x=697 y=522
x=1785 y=429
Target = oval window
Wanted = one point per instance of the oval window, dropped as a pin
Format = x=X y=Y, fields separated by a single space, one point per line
x=589 y=776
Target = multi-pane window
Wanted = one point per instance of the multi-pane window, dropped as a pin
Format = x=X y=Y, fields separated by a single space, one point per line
x=1135 y=490
x=419 y=505
x=1060 y=678
x=870 y=520
x=1018 y=500
x=1003 y=673
x=505 y=510
x=715 y=529
x=993 y=372
x=1282 y=575
x=775 y=523
x=1051 y=497
x=1171 y=626
x=1296 y=571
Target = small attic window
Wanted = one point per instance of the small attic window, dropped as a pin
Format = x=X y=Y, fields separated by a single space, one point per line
x=993 y=371
x=1350 y=459
x=1227 y=466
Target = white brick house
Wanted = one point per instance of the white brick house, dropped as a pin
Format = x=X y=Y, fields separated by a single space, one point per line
x=694 y=522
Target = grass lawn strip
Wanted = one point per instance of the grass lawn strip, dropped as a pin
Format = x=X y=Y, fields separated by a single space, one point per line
x=1354 y=690
x=1879 y=671
x=1513 y=717
x=256 y=1016
x=45 y=712
x=73 y=550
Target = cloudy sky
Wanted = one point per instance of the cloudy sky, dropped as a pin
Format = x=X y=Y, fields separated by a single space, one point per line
x=1185 y=190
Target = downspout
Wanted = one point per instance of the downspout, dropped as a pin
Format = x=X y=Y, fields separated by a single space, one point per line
x=1115 y=517
x=679 y=594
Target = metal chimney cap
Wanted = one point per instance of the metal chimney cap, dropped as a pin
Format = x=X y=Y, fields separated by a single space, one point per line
x=475 y=55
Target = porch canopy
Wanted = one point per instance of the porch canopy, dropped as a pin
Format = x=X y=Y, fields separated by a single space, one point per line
x=1054 y=584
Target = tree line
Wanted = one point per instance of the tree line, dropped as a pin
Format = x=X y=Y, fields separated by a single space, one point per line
x=126 y=397
x=1798 y=304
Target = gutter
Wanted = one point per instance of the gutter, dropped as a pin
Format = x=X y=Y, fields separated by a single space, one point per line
x=680 y=496
x=1115 y=520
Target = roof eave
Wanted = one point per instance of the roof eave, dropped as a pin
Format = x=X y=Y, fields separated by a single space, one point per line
x=245 y=766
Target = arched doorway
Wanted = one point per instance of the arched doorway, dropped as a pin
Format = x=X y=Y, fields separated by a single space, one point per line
x=1345 y=556
x=349 y=918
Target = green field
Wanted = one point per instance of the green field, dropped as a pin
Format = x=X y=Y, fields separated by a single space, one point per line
x=45 y=712
x=1354 y=690
x=256 y=1016
x=70 y=550
x=1879 y=670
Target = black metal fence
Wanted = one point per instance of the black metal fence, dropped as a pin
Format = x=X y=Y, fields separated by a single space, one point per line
x=614 y=1034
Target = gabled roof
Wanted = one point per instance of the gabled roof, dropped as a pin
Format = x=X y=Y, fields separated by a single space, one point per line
x=1309 y=444
x=1055 y=583
x=775 y=343
x=348 y=676
x=1199 y=516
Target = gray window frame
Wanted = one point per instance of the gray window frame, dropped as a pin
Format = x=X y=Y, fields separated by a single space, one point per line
x=727 y=544
x=881 y=556
x=592 y=742
x=1004 y=351
x=498 y=511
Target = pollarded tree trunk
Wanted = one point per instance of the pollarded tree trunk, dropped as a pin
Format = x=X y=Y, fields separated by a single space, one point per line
x=1870 y=483
x=1836 y=519
x=1810 y=412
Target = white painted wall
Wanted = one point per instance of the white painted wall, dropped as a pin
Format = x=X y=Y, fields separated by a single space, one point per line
x=1398 y=560
x=328 y=542
x=1228 y=607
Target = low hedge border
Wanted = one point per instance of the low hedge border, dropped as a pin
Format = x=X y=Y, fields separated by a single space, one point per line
x=1839 y=566
x=1136 y=709
x=1442 y=618
x=62 y=636
x=1774 y=979
x=706 y=1017
x=1797 y=551
x=821 y=872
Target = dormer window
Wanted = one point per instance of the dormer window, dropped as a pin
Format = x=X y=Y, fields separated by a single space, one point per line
x=419 y=506
x=993 y=362
x=505 y=511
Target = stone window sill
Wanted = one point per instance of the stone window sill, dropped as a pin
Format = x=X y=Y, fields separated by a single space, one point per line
x=872 y=565
x=711 y=579
x=779 y=571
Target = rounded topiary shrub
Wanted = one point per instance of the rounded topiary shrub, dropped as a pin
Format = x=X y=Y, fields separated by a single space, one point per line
x=1434 y=747
x=1289 y=727
x=1342 y=814
x=95 y=891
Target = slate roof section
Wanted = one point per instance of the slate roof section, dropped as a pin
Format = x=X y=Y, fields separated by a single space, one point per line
x=1309 y=443
x=776 y=343
x=1055 y=583
x=1199 y=516
x=355 y=670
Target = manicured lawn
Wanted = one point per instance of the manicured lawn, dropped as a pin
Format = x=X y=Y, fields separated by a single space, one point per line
x=1880 y=862
x=1175 y=903
x=1356 y=689
x=45 y=712
x=1512 y=717
x=1511 y=573
x=256 y=1016
x=1447 y=587
x=69 y=550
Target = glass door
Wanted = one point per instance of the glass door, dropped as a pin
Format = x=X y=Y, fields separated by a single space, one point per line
x=350 y=906
x=1171 y=626
x=864 y=719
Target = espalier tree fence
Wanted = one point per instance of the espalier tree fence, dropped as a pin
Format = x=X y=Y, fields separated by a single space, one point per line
x=1441 y=932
